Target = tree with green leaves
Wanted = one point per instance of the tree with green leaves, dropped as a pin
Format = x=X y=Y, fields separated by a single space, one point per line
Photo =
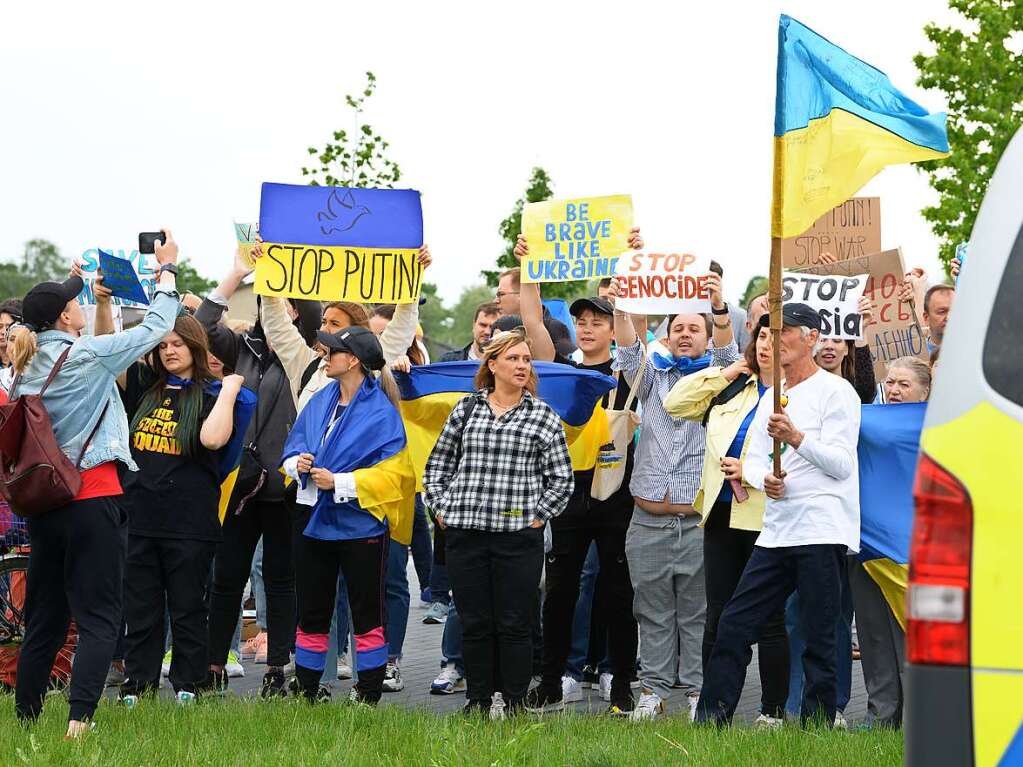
x=357 y=158
x=190 y=281
x=978 y=65
x=754 y=288
x=40 y=262
x=539 y=189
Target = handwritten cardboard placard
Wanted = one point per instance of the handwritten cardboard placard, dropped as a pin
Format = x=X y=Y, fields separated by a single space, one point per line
x=846 y=231
x=120 y=277
x=572 y=240
x=663 y=283
x=834 y=297
x=143 y=264
x=895 y=331
x=333 y=215
x=363 y=275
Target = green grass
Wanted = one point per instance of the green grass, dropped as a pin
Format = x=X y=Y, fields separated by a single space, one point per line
x=292 y=733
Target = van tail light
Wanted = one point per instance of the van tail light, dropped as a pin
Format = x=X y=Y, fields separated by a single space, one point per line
x=938 y=602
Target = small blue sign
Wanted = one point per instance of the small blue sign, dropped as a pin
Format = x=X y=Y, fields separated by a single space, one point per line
x=120 y=277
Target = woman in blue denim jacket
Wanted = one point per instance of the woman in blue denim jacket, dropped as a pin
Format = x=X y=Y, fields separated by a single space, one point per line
x=77 y=560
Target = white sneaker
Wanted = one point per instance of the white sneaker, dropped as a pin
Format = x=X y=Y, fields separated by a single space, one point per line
x=840 y=723
x=392 y=678
x=571 y=690
x=448 y=681
x=497 y=708
x=765 y=722
x=233 y=667
x=693 y=701
x=605 y=686
x=650 y=706
x=344 y=667
x=185 y=698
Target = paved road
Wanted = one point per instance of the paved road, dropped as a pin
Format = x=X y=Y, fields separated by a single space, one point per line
x=422 y=661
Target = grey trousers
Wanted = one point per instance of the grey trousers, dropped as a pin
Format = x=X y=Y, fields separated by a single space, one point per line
x=882 y=649
x=666 y=565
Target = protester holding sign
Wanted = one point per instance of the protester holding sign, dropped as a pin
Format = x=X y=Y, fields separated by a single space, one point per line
x=725 y=400
x=811 y=520
x=500 y=470
x=180 y=423
x=664 y=543
x=595 y=515
x=77 y=561
x=355 y=484
x=258 y=505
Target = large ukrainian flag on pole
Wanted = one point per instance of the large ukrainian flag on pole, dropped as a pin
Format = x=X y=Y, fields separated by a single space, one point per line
x=838 y=122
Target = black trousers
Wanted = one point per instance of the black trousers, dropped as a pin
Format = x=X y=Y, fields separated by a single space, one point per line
x=231 y=568
x=75 y=571
x=363 y=563
x=726 y=552
x=612 y=601
x=817 y=573
x=495 y=580
x=176 y=572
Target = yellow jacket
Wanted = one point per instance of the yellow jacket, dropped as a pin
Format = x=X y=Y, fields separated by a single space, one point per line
x=689 y=399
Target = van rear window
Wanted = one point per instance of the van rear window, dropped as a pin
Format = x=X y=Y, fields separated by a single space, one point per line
x=1003 y=345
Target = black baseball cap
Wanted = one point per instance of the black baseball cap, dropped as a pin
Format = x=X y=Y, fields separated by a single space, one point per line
x=43 y=304
x=596 y=304
x=796 y=315
x=355 y=340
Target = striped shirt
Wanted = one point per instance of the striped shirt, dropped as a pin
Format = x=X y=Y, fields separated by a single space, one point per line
x=669 y=457
x=499 y=474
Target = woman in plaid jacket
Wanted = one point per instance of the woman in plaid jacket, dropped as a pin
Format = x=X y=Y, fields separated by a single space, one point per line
x=499 y=471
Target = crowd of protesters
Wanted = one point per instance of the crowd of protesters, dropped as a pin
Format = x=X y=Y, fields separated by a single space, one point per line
x=693 y=552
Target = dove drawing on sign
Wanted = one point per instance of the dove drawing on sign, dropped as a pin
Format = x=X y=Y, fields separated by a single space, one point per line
x=341 y=213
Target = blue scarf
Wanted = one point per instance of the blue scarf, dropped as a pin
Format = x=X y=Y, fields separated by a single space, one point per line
x=244 y=408
x=684 y=365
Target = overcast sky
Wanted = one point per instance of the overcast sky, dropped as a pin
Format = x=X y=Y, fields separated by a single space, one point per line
x=121 y=117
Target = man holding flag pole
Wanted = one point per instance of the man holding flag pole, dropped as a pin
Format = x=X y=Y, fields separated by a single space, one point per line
x=838 y=122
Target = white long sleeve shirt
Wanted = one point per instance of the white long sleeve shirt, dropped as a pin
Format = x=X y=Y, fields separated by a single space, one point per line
x=821 y=504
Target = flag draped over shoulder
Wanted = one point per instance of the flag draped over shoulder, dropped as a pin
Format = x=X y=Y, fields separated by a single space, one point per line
x=231 y=453
x=888 y=448
x=838 y=122
x=429 y=393
x=368 y=441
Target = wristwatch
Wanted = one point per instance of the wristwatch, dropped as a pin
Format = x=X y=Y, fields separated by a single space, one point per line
x=172 y=268
x=720 y=312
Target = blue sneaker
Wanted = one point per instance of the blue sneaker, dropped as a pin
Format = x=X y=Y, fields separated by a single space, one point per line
x=448 y=682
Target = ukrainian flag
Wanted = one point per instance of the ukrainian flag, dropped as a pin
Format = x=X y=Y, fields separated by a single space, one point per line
x=430 y=392
x=888 y=449
x=838 y=122
x=231 y=453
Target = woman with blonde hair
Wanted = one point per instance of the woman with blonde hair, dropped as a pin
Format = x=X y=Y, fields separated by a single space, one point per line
x=499 y=471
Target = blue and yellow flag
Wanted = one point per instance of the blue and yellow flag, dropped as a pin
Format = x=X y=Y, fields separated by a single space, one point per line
x=430 y=392
x=838 y=121
x=231 y=453
x=888 y=449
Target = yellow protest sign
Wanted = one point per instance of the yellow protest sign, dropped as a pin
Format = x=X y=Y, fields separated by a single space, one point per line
x=363 y=275
x=572 y=240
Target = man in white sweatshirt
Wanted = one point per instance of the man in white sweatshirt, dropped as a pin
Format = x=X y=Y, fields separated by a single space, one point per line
x=811 y=522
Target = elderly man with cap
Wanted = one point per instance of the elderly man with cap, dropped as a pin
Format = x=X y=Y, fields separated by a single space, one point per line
x=346 y=452
x=811 y=522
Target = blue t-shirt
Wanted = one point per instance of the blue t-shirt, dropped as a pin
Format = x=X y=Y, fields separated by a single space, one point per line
x=735 y=449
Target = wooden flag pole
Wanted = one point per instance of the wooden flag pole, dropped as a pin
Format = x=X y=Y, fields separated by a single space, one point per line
x=774 y=306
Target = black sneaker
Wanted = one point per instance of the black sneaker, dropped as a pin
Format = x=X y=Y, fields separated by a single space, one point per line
x=274 y=684
x=621 y=707
x=544 y=699
x=322 y=695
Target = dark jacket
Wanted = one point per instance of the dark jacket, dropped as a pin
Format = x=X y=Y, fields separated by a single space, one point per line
x=248 y=354
x=457 y=355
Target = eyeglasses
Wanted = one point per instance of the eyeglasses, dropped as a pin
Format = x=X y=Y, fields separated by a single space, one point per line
x=502 y=293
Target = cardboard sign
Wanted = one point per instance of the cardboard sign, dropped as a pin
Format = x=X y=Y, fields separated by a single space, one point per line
x=572 y=240
x=852 y=229
x=363 y=275
x=334 y=215
x=835 y=297
x=144 y=266
x=246 y=235
x=895 y=331
x=120 y=277
x=663 y=283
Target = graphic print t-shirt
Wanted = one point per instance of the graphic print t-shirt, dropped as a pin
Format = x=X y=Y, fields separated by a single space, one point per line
x=172 y=495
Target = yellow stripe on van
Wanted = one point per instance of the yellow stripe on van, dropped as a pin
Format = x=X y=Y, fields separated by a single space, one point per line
x=997 y=714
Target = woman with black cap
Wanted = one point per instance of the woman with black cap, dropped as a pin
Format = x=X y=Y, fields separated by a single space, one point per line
x=77 y=560
x=348 y=453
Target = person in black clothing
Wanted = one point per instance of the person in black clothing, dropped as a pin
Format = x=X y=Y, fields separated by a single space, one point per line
x=258 y=504
x=177 y=432
x=482 y=323
x=587 y=520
